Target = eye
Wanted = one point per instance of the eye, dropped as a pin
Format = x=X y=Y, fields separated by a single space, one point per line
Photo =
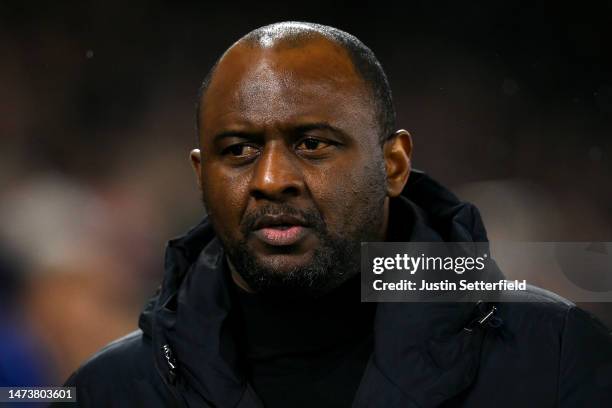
x=240 y=150
x=312 y=144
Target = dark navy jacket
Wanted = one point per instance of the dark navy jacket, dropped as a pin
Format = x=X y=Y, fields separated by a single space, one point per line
x=541 y=353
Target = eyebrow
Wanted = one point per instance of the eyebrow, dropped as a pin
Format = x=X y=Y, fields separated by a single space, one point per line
x=235 y=133
x=319 y=126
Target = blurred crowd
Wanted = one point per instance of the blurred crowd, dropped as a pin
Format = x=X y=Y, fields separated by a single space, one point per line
x=511 y=110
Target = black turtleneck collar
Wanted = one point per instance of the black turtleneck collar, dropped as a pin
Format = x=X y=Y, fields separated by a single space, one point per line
x=279 y=327
x=306 y=352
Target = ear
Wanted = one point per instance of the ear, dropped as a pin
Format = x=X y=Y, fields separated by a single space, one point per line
x=196 y=163
x=397 y=153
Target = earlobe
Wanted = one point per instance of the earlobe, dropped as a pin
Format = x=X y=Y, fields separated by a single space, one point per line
x=397 y=154
x=196 y=162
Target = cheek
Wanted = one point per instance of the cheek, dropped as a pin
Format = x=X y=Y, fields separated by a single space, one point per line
x=351 y=194
x=225 y=195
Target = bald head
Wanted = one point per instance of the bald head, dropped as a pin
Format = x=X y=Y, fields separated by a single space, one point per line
x=353 y=61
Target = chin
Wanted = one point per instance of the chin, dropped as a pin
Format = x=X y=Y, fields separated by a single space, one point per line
x=285 y=264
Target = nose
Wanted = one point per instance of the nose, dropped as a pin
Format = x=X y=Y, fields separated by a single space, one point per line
x=276 y=175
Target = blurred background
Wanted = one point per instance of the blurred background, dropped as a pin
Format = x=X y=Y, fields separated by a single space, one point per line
x=509 y=104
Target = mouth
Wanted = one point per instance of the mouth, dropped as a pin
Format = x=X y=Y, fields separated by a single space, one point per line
x=280 y=230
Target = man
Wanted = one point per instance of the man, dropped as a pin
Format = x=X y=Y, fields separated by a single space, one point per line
x=300 y=162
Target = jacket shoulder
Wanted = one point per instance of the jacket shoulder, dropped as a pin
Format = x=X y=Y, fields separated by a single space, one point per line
x=565 y=340
x=561 y=353
x=126 y=356
x=535 y=305
x=552 y=313
x=538 y=296
x=120 y=374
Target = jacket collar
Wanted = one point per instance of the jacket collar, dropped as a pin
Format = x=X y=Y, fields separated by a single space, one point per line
x=422 y=354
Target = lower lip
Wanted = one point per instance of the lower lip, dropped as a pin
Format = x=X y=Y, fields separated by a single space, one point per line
x=281 y=237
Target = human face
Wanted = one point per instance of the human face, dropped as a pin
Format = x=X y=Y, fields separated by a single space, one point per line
x=291 y=171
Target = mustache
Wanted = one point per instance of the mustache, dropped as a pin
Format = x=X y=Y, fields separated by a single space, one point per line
x=312 y=218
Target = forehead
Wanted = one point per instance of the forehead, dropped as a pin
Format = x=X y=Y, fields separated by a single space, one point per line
x=278 y=84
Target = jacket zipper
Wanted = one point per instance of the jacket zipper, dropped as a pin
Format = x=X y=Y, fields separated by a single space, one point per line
x=171 y=361
x=169 y=357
